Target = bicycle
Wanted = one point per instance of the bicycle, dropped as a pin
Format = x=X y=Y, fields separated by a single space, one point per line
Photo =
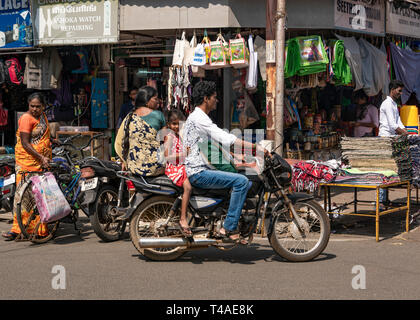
x=67 y=174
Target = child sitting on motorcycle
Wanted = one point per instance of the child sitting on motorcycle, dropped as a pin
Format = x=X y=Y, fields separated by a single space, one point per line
x=175 y=168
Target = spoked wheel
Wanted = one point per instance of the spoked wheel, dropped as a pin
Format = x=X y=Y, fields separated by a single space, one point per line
x=103 y=223
x=28 y=218
x=149 y=221
x=301 y=245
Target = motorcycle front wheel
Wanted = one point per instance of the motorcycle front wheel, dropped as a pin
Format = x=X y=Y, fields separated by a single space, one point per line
x=304 y=243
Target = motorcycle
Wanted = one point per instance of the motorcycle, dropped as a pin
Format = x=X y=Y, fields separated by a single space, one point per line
x=7 y=183
x=100 y=197
x=298 y=230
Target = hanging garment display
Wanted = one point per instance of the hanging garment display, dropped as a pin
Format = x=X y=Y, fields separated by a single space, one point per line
x=292 y=59
x=340 y=68
x=354 y=59
x=305 y=56
x=43 y=70
x=374 y=69
x=313 y=58
x=406 y=66
x=180 y=88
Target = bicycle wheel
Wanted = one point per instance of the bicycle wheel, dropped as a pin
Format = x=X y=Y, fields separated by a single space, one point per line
x=28 y=218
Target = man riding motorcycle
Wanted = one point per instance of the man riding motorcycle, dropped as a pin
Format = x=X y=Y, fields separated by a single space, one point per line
x=199 y=126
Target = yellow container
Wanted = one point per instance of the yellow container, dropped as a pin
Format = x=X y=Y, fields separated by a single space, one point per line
x=410 y=118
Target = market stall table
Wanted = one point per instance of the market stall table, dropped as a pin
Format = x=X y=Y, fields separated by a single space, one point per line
x=375 y=186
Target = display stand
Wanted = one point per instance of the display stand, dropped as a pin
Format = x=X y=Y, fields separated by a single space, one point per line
x=92 y=143
x=377 y=214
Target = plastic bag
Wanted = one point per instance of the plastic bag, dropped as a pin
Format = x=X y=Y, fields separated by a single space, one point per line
x=179 y=51
x=252 y=75
x=199 y=58
x=50 y=201
x=239 y=54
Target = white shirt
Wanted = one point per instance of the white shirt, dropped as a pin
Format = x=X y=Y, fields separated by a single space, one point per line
x=389 y=118
x=197 y=129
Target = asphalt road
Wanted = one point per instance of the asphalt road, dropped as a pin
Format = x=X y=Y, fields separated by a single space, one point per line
x=97 y=270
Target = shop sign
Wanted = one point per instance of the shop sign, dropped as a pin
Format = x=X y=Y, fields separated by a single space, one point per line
x=401 y=21
x=367 y=16
x=15 y=24
x=60 y=22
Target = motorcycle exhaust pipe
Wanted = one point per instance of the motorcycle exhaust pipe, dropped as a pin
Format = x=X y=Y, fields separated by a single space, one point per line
x=175 y=242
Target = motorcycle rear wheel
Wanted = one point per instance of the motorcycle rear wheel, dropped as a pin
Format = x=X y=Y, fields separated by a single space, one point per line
x=144 y=222
x=288 y=242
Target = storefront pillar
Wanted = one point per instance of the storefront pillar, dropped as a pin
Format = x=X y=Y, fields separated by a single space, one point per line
x=271 y=72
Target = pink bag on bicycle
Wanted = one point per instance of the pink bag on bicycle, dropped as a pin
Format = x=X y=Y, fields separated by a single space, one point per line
x=50 y=201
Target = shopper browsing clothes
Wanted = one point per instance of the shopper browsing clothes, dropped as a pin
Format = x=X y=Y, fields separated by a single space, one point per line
x=389 y=120
x=367 y=116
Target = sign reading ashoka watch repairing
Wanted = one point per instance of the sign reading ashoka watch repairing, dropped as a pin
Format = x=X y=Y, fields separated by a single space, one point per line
x=367 y=16
x=61 y=22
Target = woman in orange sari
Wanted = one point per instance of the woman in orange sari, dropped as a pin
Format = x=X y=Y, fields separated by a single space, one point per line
x=32 y=153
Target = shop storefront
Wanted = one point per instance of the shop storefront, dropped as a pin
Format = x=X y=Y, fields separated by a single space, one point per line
x=333 y=51
x=68 y=63
x=145 y=56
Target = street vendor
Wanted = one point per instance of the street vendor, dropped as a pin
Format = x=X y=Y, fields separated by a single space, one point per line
x=390 y=123
x=389 y=118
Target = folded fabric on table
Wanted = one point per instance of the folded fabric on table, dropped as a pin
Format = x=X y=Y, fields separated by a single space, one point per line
x=402 y=156
x=414 y=142
x=307 y=175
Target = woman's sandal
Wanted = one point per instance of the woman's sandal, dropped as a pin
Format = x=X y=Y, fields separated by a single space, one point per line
x=9 y=236
x=186 y=231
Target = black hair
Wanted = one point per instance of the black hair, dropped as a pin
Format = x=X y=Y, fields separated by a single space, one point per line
x=37 y=95
x=360 y=94
x=201 y=90
x=394 y=84
x=175 y=114
x=132 y=89
x=144 y=95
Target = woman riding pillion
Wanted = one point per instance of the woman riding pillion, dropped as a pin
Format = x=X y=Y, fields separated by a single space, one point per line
x=136 y=142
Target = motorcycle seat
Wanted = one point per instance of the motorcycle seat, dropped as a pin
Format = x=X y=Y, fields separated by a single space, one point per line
x=163 y=180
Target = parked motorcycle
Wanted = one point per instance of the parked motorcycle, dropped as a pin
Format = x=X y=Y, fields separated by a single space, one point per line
x=299 y=228
x=100 y=197
x=7 y=183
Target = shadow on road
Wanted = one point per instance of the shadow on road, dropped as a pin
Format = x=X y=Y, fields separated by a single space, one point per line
x=242 y=255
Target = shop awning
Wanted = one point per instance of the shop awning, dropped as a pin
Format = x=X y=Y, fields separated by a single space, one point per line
x=182 y=14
